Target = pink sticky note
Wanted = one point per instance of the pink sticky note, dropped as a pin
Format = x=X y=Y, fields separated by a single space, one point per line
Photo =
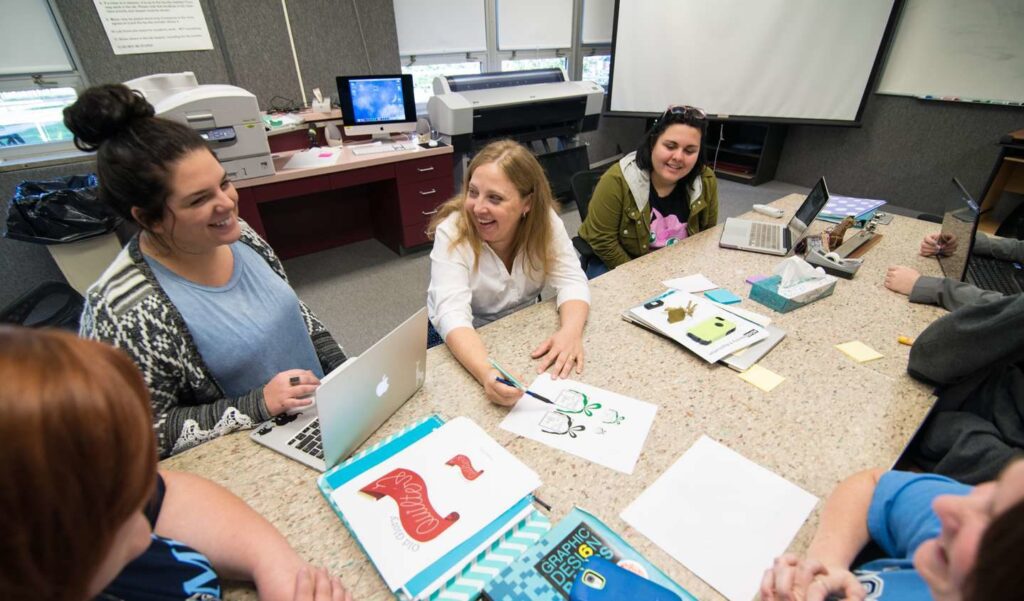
x=756 y=278
x=325 y=155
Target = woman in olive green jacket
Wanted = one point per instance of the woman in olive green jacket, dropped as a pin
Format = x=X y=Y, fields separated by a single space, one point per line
x=654 y=196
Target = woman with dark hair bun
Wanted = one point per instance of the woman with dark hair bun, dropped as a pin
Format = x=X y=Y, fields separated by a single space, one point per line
x=654 y=196
x=197 y=299
x=86 y=512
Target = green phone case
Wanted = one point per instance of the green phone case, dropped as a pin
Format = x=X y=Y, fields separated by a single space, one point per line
x=711 y=329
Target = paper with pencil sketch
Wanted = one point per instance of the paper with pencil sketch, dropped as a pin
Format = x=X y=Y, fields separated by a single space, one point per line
x=706 y=328
x=413 y=508
x=598 y=425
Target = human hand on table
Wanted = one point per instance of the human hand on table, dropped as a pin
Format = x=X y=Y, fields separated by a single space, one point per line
x=289 y=389
x=938 y=244
x=498 y=393
x=792 y=578
x=315 y=584
x=901 y=279
x=563 y=350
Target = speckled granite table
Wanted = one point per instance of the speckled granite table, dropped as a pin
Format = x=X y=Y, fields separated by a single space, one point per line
x=828 y=419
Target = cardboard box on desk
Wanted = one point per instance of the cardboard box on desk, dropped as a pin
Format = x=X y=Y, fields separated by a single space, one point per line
x=766 y=292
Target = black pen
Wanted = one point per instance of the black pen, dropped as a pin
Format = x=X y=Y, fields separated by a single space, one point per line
x=533 y=394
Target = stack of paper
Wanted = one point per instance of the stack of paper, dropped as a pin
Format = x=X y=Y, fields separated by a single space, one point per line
x=711 y=330
x=425 y=505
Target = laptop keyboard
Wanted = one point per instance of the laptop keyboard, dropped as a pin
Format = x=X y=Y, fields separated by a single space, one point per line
x=308 y=440
x=993 y=274
x=764 y=235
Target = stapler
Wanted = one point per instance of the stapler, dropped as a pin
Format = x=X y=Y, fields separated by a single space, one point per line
x=832 y=263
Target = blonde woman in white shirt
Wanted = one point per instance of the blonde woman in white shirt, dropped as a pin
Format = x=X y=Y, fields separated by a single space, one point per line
x=495 y=247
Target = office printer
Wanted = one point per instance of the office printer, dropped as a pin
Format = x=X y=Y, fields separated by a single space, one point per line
x=469 y=111
x=227 y=117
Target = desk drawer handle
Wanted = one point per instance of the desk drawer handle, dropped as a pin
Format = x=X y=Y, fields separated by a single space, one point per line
x=428 y=192
x=434 y=212
x=424 y=169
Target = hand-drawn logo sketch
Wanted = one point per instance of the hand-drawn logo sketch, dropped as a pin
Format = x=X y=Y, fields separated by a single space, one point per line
x=419 y=518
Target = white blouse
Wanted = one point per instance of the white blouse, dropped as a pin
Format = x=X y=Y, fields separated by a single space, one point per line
x=459 y=296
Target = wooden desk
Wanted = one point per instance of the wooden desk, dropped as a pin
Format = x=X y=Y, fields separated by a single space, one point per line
x=830 y=418
x=388 y=196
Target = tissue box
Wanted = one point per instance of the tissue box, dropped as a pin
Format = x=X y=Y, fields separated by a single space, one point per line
x=766 y=292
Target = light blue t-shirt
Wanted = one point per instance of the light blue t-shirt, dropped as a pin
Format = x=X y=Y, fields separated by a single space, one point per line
x=248 y=330
x=900 y=518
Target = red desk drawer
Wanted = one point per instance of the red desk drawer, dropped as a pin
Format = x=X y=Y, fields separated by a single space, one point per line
x=290 y=189
x=421 y=169
x=418 y=201
x=414 y=235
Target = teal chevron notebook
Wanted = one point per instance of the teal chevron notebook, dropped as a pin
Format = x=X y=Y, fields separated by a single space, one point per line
x=460 y=574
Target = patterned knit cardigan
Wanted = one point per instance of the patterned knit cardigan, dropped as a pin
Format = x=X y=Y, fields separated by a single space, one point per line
x=127 y=308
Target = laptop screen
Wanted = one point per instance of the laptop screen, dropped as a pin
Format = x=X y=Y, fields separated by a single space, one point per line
x=958 y=226
x=815 y=202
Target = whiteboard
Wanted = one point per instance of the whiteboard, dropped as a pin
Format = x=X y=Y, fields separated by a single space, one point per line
x=952 y=48
x=797 y=60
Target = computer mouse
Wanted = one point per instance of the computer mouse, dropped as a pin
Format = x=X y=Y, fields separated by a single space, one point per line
x=432 y=143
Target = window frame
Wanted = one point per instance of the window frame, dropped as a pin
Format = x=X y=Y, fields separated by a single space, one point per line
x=74 y=78
x=412 y=60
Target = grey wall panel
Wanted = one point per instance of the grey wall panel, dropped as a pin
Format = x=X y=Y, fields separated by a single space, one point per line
x=256 y=49
x=24 y=265
x=906 y=151
x=612 y=136
x=329 y=38
x=101 y=65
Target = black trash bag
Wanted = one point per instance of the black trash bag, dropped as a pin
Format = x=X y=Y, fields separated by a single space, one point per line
x=58 y=211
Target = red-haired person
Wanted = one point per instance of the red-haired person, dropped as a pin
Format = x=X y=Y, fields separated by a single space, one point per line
x=86 y=512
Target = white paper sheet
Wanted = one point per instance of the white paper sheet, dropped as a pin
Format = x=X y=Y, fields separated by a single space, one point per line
x=691 y=283
x=314 y=157
x=144 y=26
x=598 y=425
x=466 y=504
x=722 y=516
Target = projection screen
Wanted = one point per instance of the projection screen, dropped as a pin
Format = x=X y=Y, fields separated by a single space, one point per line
x=763 y=60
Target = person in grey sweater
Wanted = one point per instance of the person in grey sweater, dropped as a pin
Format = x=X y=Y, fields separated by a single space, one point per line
x=947 y=292
x=974 y=356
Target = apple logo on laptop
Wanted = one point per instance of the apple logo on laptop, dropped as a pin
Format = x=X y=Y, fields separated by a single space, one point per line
x=382 y=386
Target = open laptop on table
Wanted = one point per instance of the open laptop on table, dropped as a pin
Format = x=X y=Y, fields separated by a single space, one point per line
x=775 y=238
x=960 y=261
x=353 y=400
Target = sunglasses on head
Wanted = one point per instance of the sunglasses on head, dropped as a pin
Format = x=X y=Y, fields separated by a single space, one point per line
x=686 y=111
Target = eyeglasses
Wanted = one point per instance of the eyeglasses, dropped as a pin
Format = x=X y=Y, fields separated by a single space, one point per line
x=686 y=111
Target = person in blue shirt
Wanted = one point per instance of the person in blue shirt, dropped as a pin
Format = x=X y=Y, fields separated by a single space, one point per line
x=942 y=540
x=86 y=512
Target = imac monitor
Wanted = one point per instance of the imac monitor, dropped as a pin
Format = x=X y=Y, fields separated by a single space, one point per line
x=377 y=104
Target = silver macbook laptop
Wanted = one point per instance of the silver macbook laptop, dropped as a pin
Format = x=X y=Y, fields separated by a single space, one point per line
x=775 y=238
x=353 y=400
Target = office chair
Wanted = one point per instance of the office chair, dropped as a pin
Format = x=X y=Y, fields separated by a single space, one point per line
x=50 y=304
x=583 y=184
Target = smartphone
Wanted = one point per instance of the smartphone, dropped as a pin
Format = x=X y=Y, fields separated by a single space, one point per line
x=711 y=329
x=602 y=580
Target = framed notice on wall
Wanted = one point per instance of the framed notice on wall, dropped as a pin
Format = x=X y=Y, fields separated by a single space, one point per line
x=145 y=26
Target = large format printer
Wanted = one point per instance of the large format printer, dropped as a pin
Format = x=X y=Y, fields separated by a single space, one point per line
x=469 y=111
x=227 y=117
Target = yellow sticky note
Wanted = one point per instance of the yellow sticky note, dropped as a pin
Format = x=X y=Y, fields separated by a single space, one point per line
x=764 y=379
x=859 y=352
